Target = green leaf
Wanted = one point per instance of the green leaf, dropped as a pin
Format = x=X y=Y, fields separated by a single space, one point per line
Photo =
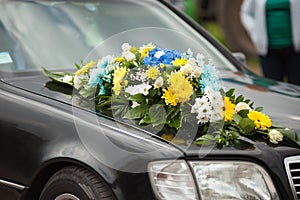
x=145 y=120
x=236 y=118
x=157 y=114
x=239 y=99
x=205 y=139
x=77 y=66
x=289 y=134
x=175 y=122
x=247 y=126
x=139 y=98
x=230 y=92
x=87 y=91
x=259 y=109
x=243 y=113
x=57 y=76
x=137 y=112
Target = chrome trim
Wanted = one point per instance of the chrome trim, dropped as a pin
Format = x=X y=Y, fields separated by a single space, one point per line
x=287 y=162
x=12 y=185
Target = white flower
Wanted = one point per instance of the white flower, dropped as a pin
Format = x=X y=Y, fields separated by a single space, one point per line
x=158 y=82
x=106 y=60
x=192 y=68
x=158 y=54
x=68 y=79
x=203 y=108
x=126 y=47
x=241 y=106
x=186 y=69
x=147 y=46
x=138 y=89
x=199 y=102
x=77 y=82
x=189 y=52
x=214 y=97
x=128 y=55
x=200 y=59
x=275 y=136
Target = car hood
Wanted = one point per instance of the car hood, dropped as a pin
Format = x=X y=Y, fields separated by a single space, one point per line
x=281 y=101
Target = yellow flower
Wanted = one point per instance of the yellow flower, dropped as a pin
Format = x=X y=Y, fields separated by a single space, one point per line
x=179 y=62
x=119 y=59
x=152 y=73
x=180 y=86
x=169 y=97
x=162 y=65
x=260 y=120
x=119 y=74
x=229 y=109
x=144 y=50
x=85 y=68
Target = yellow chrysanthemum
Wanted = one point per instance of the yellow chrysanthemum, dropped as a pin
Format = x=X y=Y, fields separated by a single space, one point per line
x=144 y=50
x=229 y=109
x=119 y=59
x=260 y=120
x=180 y=86
x=119 y=74
x=179 y=62
x=161 y=65
x=170 y=98
x=85 y=68
x=152 y=73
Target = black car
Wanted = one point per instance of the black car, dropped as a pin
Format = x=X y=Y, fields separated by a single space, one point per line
x=52 y=147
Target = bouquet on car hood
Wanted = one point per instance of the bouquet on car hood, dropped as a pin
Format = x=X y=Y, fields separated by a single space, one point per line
x=165 y=89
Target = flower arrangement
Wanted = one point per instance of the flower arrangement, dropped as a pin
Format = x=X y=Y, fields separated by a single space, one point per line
x=165 y=88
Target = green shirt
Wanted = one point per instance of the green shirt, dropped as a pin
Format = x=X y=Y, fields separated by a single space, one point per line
x=278 y=17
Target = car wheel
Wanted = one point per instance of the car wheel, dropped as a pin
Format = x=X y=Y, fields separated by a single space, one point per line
x=76 y=183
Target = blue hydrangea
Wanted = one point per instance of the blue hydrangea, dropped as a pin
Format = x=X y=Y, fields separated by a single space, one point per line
x=100 y=74
x=157 y=56
x=210 y=77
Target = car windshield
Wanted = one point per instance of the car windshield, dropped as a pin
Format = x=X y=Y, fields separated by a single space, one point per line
x=58 y=34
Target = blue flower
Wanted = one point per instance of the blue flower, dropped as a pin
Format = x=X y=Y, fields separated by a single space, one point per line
x=95 y=77
x=157 y=56
x=210 y=77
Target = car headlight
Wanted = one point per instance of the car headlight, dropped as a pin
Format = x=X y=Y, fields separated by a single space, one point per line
x=234 y=180
x=172 y=180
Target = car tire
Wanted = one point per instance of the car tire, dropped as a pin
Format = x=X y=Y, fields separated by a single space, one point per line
x=76 y=183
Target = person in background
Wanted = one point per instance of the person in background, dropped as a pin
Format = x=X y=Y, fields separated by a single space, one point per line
x=274 y=27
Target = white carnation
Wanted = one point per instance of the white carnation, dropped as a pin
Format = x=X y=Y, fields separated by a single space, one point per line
x=275 y=136
x=242 y=106
x=186 y=69
x=128 y=55
x=77 y=82
x=126 y=47
x=158 y=82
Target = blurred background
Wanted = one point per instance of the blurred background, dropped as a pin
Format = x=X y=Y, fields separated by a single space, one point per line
x=222 y=19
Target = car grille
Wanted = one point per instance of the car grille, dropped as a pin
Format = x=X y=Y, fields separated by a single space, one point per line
x=292 y=165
